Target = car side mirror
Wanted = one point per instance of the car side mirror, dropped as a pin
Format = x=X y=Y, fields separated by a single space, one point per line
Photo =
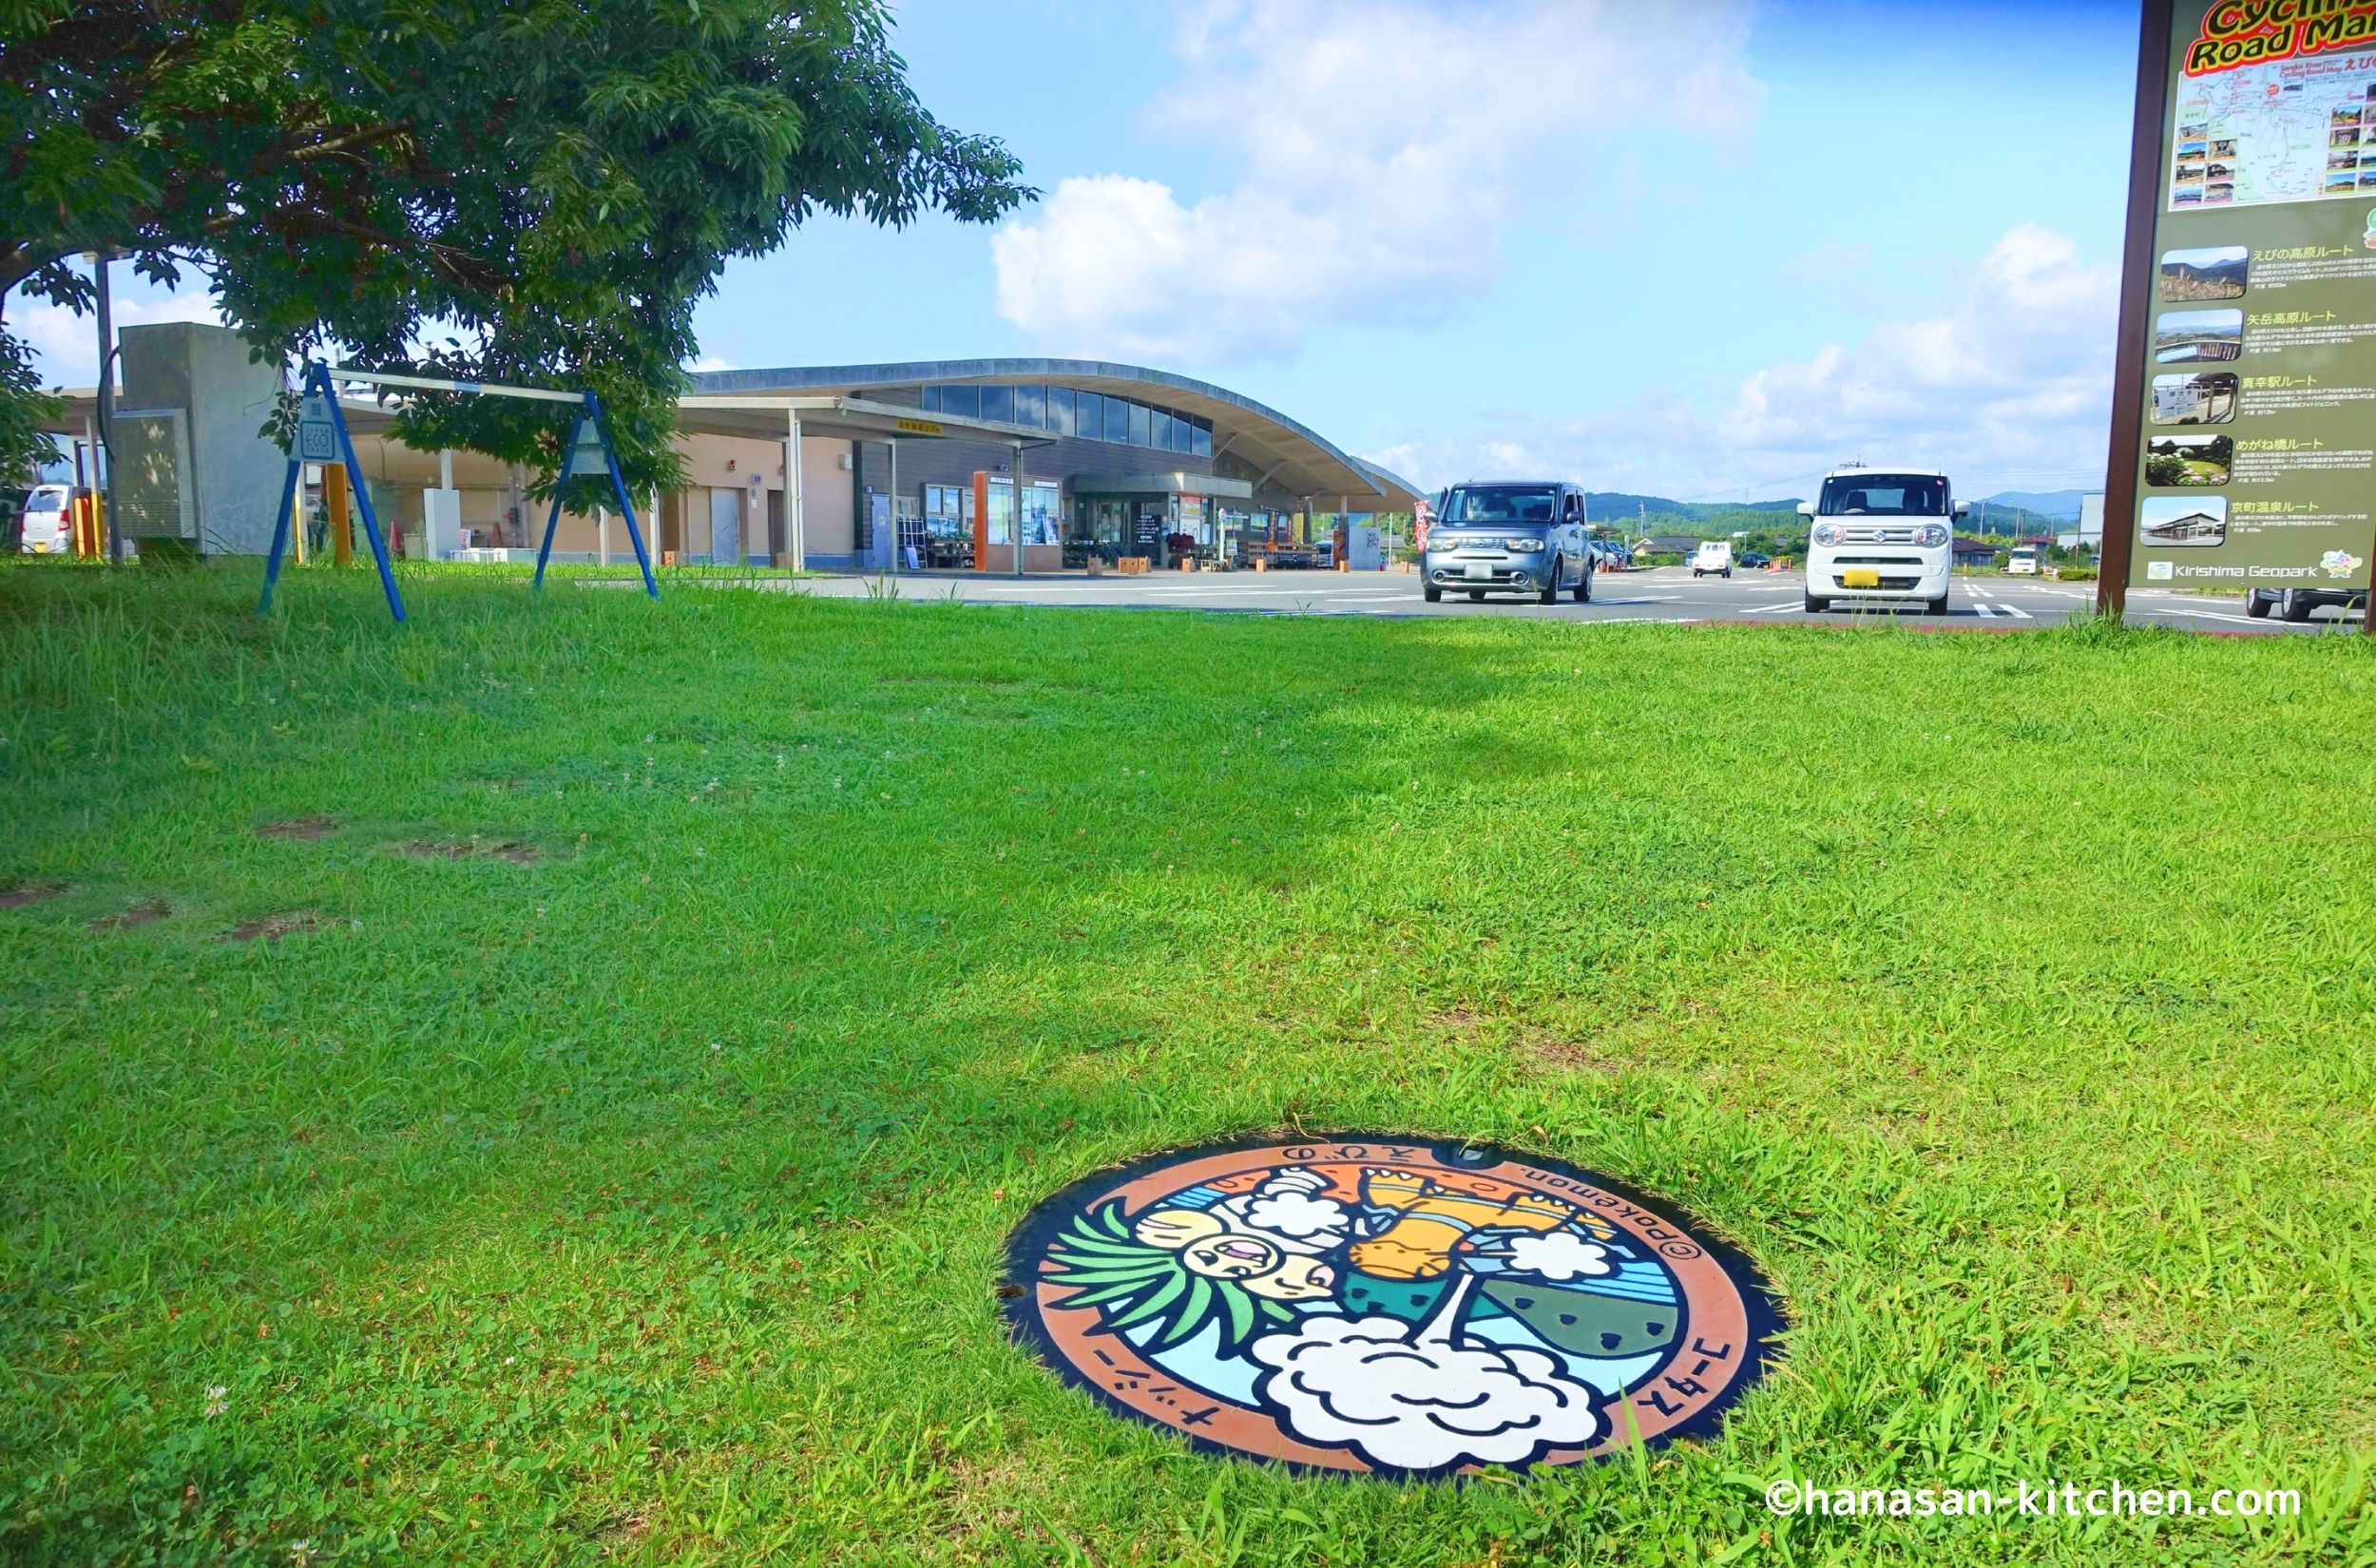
x=1962 y=509
x=1806 y=509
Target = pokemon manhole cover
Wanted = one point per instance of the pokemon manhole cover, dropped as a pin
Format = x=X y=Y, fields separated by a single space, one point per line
x=1388 y=1305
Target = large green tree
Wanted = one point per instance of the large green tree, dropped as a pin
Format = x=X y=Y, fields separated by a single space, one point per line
x=506 y=190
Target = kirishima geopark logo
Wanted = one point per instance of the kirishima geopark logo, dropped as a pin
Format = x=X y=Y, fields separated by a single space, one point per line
x=1387 y=1305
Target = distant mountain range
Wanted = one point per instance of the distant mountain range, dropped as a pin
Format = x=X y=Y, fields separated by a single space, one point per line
x=2062 y=505
x=1615 y=505
x=1608 y=505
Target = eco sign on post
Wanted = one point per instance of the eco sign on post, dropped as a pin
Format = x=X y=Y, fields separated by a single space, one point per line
x=2244 y=419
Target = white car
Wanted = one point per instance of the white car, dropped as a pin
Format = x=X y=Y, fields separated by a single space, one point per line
x=47 y=526
x=2021 y=564
x=1881 y=534
x=1714 y=555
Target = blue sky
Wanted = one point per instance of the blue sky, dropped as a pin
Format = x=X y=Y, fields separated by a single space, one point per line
x=1703 y=250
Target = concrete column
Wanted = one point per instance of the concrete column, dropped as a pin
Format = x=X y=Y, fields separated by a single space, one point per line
x=1014 y=521
x=894 y=501
x=796 y=512
x=602 y=535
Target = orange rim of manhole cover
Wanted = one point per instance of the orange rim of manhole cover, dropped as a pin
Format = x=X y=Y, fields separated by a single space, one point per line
x=1392 y=1306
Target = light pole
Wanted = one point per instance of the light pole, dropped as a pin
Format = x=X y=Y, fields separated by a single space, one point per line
x=99 y=260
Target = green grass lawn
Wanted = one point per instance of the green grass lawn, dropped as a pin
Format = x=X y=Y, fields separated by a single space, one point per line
x=611 y=1157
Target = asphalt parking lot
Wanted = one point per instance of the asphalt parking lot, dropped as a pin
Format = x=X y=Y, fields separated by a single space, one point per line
x=1663 y=593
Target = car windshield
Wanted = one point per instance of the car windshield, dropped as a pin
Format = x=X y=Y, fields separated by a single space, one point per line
x=1884 y=495
x=1501 y=504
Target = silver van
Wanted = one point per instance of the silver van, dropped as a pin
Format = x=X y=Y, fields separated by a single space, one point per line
x=1517 y=536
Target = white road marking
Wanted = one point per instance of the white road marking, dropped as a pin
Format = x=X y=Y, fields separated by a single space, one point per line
x=2207 y=615
x=1777 y=609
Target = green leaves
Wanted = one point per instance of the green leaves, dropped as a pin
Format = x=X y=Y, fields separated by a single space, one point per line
x=1136 y=1283
x=551 y=186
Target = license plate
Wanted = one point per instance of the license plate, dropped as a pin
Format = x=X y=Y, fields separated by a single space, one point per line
x=1860 y=577
x=1480 y=569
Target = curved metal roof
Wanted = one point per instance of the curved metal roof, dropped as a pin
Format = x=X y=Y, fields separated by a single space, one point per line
x=1294 y=457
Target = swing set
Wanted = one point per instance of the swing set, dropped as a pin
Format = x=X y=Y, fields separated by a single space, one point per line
x=322 y=437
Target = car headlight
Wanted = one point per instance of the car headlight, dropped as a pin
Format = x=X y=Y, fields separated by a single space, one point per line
x=1827 y=533
x=1523 y=546
x=1933 y=535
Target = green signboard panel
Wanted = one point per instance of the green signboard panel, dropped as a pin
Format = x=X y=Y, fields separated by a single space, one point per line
x=2255 y=460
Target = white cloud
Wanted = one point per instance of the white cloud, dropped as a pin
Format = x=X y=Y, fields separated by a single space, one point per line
x=1381 y=148
x=66 y=346
x=2008 y=387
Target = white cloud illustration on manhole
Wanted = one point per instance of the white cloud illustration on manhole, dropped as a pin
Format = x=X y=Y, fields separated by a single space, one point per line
x=1559 y=1255
x=1408 y=1397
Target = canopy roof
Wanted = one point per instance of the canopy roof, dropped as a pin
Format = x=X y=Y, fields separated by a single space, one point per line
x=1291 y=457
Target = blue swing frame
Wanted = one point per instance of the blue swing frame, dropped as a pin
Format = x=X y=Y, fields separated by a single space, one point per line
x=316 y=383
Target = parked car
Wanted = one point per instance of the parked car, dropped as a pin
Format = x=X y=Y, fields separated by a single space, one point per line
x=1509 y=538
x=47 y=526
x=1756 y=558
x=1881 y=533
x=1714 y=556
x=2297 y=603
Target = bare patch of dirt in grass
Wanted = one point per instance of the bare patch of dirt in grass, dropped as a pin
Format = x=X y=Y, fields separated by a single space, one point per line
x=625 y=1533
x=17 y=894
x=1566 y=1055
x=272 y=927
x=474 y=848
x=146 y=913
x=298 y=829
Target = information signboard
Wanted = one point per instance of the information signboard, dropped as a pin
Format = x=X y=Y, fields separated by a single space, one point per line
x=2245 y=427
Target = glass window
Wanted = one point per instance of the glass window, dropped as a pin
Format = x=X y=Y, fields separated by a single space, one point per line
x=1031 y=407
x=1136 y=431
x=1117 y=419
x=1160 y=429
x=947 y=510
x=1089 y=415
x=1060 y=409
x=965 y=402
x=932 y=399
x=1183 y=433
x=999 y=403
x=1502 y=504
x=1002 y=511
x=1884 y=495
x=1201 y=440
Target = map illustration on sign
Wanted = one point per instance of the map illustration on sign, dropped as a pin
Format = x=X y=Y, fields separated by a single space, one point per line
x=1391 y=1305
x=2289 y=130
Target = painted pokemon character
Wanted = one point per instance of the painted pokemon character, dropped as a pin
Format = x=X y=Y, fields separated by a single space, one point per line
x=1388 y=1305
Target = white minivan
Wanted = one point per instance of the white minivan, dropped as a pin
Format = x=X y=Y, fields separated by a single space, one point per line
x=2021 y=563
x=1881 y=533
x=1714 y=556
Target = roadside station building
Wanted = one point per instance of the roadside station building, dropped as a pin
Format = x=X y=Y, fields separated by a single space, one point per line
x=902 y=466
x=1112 y=461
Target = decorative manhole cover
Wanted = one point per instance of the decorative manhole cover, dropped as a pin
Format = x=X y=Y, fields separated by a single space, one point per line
x=1388 y=1305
